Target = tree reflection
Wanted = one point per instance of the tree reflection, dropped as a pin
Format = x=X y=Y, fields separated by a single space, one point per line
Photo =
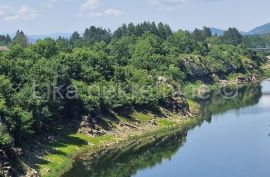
x=126 y=159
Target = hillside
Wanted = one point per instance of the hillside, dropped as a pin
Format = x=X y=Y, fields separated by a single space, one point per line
x=217 y=31
x=264 y=29
x=100 y=82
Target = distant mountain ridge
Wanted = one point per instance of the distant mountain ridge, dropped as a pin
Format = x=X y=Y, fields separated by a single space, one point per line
x=35 y=37
x=263 y=29
x=217 y=31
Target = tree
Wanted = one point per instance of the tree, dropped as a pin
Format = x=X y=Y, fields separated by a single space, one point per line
x=75 y=39
x=5 y=138
x=162 y=31
x=131 y=29
x=120 y=49
x=63 y=44
x=201 y=35
x=148 y=52
x=20 y=39
x=96 y=34
x=180 y=42
x=232 y=36
x=197 y=35
x=5 y=40
x=206 y=33
x=46 y=48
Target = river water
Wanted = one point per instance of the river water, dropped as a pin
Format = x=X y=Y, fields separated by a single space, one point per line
x=232 y=140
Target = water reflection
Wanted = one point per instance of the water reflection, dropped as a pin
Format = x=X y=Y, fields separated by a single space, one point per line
x=246 y=96
x=126 y=160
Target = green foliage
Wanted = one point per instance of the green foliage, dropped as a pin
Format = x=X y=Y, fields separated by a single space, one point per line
x=45 y=84
x=180 y=42
x=201 y=35
x=46 y=48
x=5 y=138
x=232 y=36
x=257 y=41
x=20 y=39
x=94 y=34
x=161 y=30
x=5 y=40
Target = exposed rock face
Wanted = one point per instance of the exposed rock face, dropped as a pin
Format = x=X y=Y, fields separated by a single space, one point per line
x=178 y=104
x=246 y=79
x=88 y=127
x=153 y=122
x=32 y=173
x=5 y=166
x=224 y=82
x=195 y=67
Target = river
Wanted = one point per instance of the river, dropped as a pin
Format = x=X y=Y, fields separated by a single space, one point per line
x=231 y=140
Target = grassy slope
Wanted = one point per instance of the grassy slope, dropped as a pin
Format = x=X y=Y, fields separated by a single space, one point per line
x=57 y=162
x=69 y=146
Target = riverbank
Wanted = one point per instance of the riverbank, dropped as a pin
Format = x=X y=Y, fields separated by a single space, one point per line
x=71 y=145
x=54 y=157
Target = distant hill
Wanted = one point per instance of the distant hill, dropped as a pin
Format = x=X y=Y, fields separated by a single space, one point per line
x=34 y=38
x=264 y=29
x=217 y=31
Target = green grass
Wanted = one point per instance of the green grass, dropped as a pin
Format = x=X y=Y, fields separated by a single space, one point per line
x=61 y=153
x=143 y=117
x=166 y=122
x=65 y=150
x=266 y=70
x=193 y=106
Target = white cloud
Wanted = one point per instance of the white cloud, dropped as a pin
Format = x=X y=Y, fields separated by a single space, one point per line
x=90 y=5
x=94 y=8
x=113 y=12
x=23 y=13
x=108 y=12
x=166 y=4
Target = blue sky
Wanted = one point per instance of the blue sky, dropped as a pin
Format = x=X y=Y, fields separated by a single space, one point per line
x=52 y=16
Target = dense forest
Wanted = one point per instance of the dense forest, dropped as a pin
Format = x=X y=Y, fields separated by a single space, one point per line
x=257 y=41
x=46 y=84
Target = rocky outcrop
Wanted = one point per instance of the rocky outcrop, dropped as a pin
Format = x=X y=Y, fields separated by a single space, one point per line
x=88 y=127
x=246 y=79
x=195 y=67
x=11 y=164
x=5 y=163
x=178 y=104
